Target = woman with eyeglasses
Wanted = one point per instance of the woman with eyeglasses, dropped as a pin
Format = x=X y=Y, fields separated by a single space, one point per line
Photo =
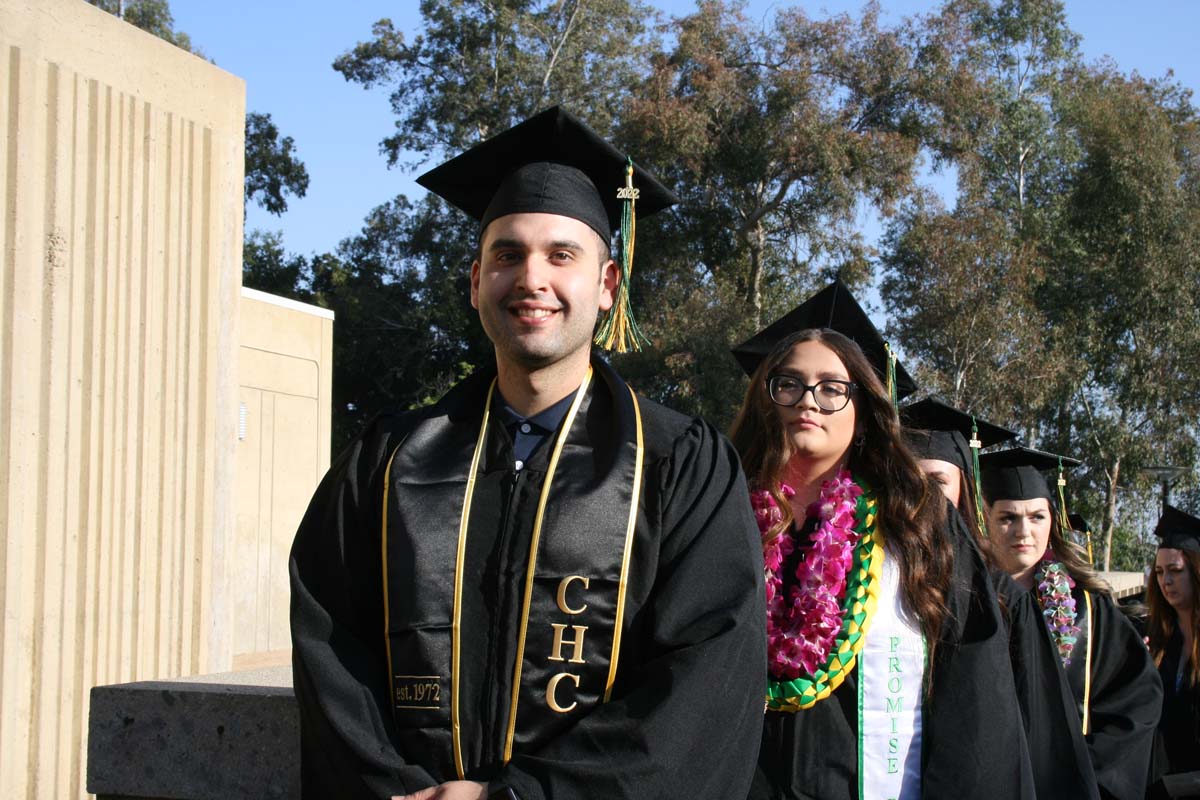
x=889 y=670
x=1115 y=693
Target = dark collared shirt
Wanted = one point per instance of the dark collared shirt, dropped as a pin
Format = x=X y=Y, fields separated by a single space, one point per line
x=528 y=433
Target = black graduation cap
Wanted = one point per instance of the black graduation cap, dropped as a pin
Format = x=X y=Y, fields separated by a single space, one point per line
x=940 y=431
x=832 y=307
x=1016 y=473
x=1178 y=530
x=551 y=163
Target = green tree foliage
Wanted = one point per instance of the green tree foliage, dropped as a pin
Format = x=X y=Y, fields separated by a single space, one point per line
x=272 y=168
x=1125 y=297
x=775 y=136
x=267 y=266
x=1061 y=295
x=481 y=66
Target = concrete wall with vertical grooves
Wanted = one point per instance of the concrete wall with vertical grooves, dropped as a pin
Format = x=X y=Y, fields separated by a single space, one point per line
x=120 y=252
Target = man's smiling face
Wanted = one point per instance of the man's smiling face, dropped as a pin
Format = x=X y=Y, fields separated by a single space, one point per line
x=539 y=284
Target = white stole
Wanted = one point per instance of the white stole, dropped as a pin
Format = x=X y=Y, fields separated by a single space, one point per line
x=891 y=669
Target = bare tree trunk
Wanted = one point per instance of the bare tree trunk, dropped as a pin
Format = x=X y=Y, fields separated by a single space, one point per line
x=1110 y=513
x=758 y=244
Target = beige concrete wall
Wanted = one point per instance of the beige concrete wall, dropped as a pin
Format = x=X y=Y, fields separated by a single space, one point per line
x=285 y=375
x=120 y=244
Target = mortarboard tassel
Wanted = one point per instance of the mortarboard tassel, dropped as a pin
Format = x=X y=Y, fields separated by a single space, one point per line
x=620 y=331
x=1063 y=519
x=976 y=444
x=891 y=375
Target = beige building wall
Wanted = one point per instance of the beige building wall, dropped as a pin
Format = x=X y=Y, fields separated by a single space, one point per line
x=285 y=375
x=120 y=249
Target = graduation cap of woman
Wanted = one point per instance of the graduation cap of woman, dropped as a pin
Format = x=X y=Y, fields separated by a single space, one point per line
x=1178 y=530
x=833 y=307
x=1016 y=473
x=552 y=163
x=940 y=431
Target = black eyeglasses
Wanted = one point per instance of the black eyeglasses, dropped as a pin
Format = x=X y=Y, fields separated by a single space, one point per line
x=830 y=395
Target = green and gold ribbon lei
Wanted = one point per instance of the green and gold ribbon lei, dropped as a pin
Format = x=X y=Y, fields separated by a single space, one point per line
x=858 y=605
x=619 y=331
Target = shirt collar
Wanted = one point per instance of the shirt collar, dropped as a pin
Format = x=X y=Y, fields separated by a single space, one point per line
x=546 y=420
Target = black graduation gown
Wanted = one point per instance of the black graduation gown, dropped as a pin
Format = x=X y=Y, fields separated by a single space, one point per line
x=1177 y=740
x=972 y=740
x=685 y=709
x=1124 y=695
x=1058 y=752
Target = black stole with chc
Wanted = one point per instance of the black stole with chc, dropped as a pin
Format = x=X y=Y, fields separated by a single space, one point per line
x=572 y=591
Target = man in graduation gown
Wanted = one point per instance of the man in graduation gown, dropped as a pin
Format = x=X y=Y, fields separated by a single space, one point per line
x=542 y=586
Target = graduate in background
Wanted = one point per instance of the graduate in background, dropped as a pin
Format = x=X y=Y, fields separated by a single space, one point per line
x=889 y=671
x=1173 y=597
x=542 y=586
x=1116 y=692
x=947 y=442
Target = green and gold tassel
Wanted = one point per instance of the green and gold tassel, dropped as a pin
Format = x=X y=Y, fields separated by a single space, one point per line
x=976 y=445
x=893 y=391
x=1063 y=519
x=619 y=331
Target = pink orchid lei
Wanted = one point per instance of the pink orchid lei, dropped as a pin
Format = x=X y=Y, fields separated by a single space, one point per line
x=802 y=627
x=1054 y=585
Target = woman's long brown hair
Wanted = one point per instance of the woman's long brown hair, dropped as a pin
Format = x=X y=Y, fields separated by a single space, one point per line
x=1162 y=620
x=1074 y=558
x=911 y=507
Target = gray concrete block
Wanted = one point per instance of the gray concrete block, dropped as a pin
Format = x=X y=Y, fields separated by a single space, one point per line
x=218 y=737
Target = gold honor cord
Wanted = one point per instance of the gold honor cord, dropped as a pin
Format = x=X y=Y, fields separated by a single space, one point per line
x=533 y=549
x=624 y=583
x=456 y=630
x=1087 y=670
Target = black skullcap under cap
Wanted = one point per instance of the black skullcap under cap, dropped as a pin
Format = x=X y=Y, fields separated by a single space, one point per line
x=1016 y=473
x=940 y=431
x=551 y=163
x=1178 y=530
x=833 y=307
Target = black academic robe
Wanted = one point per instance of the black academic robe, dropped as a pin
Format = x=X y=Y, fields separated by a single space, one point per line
x=1118 y=691
x=684 y=709
x=1058 y=752
x=973 y=739
x=1177 y=745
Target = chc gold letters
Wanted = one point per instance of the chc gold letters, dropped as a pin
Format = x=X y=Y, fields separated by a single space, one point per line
x=552 y=689
x=576 y=643
x=562 y=594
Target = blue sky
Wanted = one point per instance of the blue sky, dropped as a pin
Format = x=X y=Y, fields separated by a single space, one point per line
x=284 y=51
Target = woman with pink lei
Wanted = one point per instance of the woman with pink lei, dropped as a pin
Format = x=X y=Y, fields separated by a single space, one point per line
x=1116 y=692
x=889 y=671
